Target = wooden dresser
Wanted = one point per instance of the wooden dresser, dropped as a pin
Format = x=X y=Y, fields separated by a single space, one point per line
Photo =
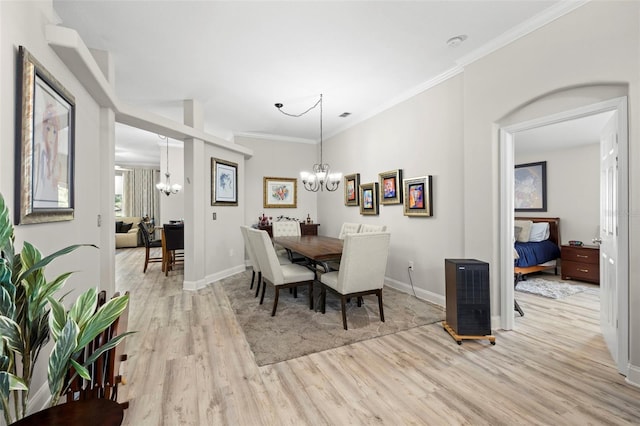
x=580 y=263
x=305 y=229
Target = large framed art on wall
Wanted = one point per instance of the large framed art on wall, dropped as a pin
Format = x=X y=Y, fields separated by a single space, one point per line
x=45 y=154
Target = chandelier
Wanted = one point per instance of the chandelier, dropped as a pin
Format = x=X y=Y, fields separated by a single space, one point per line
x=321 y=178
x=167 y=188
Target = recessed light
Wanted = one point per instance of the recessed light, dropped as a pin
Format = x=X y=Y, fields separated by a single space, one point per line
x=457 y=40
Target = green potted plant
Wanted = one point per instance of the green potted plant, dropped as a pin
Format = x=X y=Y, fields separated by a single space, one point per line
x=30 y=315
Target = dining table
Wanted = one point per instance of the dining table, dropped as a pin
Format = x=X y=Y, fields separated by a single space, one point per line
x=92 y=411
x=318 y=249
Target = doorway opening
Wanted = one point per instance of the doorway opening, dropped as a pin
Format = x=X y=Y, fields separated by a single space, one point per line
x=619 y=346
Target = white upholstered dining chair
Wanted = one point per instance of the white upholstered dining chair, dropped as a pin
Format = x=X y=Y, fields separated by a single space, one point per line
x=287 y=228
x=372 y=228
x=362 y=268
x=253 y=260
x=280 y=276
x=349 y=228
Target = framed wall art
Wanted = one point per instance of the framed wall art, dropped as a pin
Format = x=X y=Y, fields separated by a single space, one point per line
x=369 y=198
x=45 y=154
x=390 y=187
x=530 y=185
x=280 y=192
x=418 y=196
x=224 y=183
x=352 y=190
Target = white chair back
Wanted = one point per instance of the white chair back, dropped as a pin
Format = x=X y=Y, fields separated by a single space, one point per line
x=349 y=228
x=266 y=255
x=372 y=228
x=288 y=228
x=364 y=262
x=253 y=260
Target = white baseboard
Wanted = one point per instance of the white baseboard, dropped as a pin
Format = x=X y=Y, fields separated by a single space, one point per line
x=428 y=296
x=633 y=375
x=199 y=284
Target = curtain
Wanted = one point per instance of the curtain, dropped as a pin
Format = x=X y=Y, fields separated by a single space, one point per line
x=139 y=193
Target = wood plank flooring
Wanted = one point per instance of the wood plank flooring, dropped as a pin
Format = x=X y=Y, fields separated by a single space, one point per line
x=189 y=364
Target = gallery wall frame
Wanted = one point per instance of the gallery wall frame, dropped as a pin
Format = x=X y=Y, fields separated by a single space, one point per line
x=390 y=187
x=280 y=192
x=369 y=198
x=418 y=196
x=45 y=143
x=224 y=182
x=352 y=189
x=530 y=187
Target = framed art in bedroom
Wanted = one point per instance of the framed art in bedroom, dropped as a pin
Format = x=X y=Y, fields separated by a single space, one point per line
x=530 y=187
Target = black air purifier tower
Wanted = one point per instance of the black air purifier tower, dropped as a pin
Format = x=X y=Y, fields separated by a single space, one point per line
x=468 y=298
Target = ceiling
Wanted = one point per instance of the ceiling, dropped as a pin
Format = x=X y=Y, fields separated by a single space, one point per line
x=238 y=58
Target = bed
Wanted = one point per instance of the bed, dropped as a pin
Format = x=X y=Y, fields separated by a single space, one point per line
x=538 y=255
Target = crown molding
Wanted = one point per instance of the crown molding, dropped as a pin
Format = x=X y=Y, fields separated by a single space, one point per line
x=543 y=18
x=279 y=138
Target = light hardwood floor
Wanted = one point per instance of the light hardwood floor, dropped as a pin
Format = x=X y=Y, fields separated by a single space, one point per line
x=189 y=364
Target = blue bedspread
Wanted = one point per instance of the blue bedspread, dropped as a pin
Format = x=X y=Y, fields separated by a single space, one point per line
x=532 y=254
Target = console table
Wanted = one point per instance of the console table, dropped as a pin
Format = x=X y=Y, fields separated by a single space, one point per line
x=305 y=229
x=580 y=263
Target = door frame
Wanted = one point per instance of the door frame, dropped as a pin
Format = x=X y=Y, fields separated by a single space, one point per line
x=507 y=137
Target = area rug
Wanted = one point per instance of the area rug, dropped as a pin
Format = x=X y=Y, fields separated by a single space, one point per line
x=551 y=289
x=297 y=330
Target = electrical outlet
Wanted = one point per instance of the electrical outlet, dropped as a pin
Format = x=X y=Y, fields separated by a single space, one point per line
x=411 y=265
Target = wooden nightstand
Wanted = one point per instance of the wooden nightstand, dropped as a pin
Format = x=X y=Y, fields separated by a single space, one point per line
x=580 y=263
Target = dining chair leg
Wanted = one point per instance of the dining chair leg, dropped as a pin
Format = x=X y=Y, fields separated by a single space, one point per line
x=275 y=302
x=323 y=298
x=379 y=293
x=264 y=286
x=258 y=284
x=344 y=311
x=253 y=277
x=311 y=295
x=146 y=259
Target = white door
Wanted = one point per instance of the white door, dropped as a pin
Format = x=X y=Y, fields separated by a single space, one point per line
x=612 y=276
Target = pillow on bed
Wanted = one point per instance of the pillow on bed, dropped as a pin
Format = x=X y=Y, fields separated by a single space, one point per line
x=525 y=230
x=539 y=232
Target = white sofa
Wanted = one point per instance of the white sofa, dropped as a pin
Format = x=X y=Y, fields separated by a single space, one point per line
x=130 y=238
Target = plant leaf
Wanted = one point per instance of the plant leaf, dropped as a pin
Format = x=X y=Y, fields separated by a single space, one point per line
x=102 y=319
x=11 y=334
x=59 y=360
x=109 y=345
x=45 y=261
x=7 y=307
x=58 y=319
x=6 y=228
x=80 y=369
x=84 y=308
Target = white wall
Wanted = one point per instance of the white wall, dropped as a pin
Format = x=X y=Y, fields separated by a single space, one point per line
x=422 y=136
x=573 y=190
x=273 y=158
x=22 y=23
x=595 y=44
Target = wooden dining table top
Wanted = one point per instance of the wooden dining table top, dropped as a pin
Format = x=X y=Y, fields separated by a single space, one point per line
x=92 y=411
x=314 y=247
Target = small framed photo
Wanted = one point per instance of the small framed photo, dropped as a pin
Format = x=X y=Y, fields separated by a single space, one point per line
x=390 y=187
x=224 y=183
x=280 y=192
x=530 y=185
x=369 y=198
x=352 y=190
x=45 y=158
x=418 y=196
